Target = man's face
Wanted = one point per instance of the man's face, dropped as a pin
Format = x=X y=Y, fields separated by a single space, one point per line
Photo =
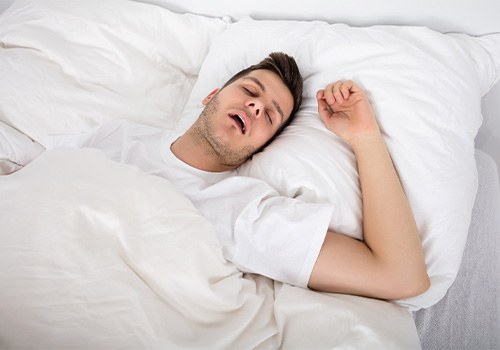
x=243 y=116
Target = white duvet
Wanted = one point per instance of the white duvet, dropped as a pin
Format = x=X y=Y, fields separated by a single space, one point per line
x=96 y=254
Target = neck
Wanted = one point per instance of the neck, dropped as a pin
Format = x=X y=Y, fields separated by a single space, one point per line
x=198 y=153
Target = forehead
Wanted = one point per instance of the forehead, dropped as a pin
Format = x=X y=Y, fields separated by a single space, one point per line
x=272 y=86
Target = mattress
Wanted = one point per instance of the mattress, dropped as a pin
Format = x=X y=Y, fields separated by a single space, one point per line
x=468 y=316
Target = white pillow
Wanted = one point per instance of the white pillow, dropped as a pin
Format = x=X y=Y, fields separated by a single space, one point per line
x=426 y=90
x=68 y=66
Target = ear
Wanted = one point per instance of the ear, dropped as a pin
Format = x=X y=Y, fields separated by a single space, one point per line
x=209 y=96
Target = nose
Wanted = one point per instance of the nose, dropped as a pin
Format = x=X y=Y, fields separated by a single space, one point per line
x=256 y=107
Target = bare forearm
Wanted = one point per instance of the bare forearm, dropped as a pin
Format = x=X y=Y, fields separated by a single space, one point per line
x=389 y=263
x=389 y=226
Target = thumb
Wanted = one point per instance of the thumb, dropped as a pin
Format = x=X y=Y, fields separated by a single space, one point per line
x=324 y=110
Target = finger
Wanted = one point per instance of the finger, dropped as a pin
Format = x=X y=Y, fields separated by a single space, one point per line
x=324 y=110
x=353 y=87
x=345 y=89
x=320 y=94
x=328 y=94
x=337 y=92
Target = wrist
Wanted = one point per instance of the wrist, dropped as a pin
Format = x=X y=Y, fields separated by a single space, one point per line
x=363 y=141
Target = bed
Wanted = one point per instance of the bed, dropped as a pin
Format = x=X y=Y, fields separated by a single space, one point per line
x=99 y=254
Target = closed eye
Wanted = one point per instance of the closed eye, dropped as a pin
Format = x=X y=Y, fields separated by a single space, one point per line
x=250 y=92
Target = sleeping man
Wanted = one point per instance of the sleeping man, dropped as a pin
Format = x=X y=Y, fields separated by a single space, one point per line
x=259 y=231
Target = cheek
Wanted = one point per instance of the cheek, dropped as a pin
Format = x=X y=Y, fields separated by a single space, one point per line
x=263 y=137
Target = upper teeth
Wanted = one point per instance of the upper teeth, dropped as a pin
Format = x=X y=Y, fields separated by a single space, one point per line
x=242 y=122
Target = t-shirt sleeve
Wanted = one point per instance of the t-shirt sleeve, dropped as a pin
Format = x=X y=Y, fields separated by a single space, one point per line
x=267 y=234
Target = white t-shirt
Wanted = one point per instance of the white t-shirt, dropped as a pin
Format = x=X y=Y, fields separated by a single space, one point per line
x=259 y=231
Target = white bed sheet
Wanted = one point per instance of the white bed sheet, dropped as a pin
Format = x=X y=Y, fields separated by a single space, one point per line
x=108 y=262
x=97 y=254
x=468 y=316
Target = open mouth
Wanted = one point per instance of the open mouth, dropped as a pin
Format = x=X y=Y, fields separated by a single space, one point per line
x=240 y=121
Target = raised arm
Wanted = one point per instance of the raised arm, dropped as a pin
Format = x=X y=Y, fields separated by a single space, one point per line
x=389 y=263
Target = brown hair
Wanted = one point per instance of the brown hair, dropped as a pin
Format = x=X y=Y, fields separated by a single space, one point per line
x=286 y=68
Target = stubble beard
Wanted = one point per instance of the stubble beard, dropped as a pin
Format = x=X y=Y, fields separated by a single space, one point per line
x=205 y=133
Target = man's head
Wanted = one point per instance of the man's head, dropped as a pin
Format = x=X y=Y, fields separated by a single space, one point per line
x=250 y=109
x=286 y=68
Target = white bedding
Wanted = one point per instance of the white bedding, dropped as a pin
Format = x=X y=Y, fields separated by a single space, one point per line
x=68 y=67
x=425 y=88
x=97 y=254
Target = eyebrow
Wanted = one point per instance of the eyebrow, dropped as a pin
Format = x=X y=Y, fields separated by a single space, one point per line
x=263 y=88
